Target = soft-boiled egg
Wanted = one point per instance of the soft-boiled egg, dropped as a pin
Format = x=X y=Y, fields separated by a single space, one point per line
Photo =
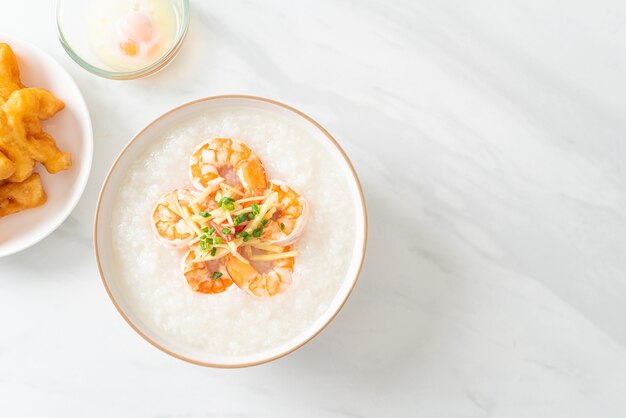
x=133 y=34
x=136 y=34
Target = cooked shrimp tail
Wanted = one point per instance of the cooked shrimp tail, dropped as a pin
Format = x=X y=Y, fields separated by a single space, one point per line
x=168 y=223
x=228 y=159
x=290 y=217
x=205 y=276
x=266 y=275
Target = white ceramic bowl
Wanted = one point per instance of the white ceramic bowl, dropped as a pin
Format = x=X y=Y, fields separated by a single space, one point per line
x=136 y=148
x=72 y=130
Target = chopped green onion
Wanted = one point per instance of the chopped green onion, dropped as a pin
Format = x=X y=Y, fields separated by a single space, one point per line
x=205 y=229
x=257 y=232
x=216 y=275
x=282 y=226
x=202 y=245
x=255 y=209
x=225 y=201
x=241 y=234
x=203 y=236
x=229 y=206
x=209 y=241
x=225 y=231
x=246 y=238
x=204 y=214
x=218 y=240
x=211 y=231
x=264 y=222
x=213 y=251
x=239 y=219
x=250 y=215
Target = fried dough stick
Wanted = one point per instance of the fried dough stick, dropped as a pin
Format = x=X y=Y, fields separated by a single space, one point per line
x=21 y=138
x=9 y=72
x=15 y=197
x=7 y=167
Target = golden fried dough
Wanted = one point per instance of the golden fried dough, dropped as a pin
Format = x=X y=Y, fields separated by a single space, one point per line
x=45 y=151
x=16 y=150
x=7 y=167
x=15 y=197
x=34 y=103
x=23 y=142
x=9 y=72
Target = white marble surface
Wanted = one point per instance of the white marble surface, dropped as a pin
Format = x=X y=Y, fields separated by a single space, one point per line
x=490 y=140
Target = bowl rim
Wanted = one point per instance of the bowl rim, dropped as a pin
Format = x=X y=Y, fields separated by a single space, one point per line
x=150 y=69
x=301 y=343
x=82 y=178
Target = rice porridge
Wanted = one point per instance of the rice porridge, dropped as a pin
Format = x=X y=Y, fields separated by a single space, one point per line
x=233 y=322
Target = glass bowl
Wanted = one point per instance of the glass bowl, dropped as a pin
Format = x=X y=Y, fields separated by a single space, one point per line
x=76 y=19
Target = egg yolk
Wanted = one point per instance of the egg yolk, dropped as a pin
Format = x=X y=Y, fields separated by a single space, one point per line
x=129 y=48
x=138 y=30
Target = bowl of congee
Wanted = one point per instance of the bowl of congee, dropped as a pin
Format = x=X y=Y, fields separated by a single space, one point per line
x=230 y=231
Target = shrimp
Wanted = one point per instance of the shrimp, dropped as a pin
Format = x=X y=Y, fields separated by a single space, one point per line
x=228 y=159
x=292 y=212
x=167 y=223
x=205 y=276
x=261 y=278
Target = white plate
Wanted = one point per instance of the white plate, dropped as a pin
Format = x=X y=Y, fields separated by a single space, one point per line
x=72 y=130
x=137 y=147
